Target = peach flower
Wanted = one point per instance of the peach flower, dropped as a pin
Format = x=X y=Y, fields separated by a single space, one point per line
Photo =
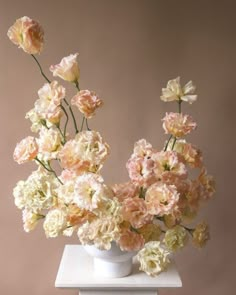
x=161 y=199
x=177 y=124
x=87 y=102
x=141 y=170
x=174 y=91
x=135 y=211
x=169 y=166
x=142 y=148
x=130 y=241
x=48 y=104
x=125 y=190
x=26 y=150
x=87 y=152
x=191 y=154
x=27 y=34
x=67 y=69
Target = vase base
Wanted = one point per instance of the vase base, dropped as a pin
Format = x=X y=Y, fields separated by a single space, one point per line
x=109 y=269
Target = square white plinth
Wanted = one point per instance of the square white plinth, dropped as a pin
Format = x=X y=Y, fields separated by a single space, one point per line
x=76 y=271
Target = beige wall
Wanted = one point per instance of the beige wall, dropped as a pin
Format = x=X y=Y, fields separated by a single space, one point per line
x=128 y=50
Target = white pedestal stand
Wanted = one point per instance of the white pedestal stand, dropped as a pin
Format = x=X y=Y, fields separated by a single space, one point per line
x=76 y=272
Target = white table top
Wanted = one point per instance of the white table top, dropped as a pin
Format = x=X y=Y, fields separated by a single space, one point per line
x=76 y=271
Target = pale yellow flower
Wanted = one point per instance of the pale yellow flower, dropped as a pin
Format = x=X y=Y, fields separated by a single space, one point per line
x=175 y=238
x=30 y=219
x=37 y=193
x=175 y=92
x=67 y=69
x=54 y=223
x=100 y=232
x=201 y=235
x=153 y=258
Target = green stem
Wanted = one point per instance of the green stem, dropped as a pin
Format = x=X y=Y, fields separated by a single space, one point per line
x=77 y=85
x=67 y=119
x=179 y=103
x=48 y=169
x=41 y=70
x=168 y=141
x=62 y=135
x=54 y=173
x=86 y=120
x=82 y=125
x=72 y=114
x=173 y=145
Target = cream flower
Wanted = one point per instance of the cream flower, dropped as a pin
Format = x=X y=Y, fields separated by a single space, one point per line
x=125 y=190
x=178 y=125
x=153 y=258
x=161 y=199
x=30 y=219
x=142 y=148
x=54 y=223
x=175 y=238
x=67 y=69
x=87 y=152
x=174 y=91
x=26 y=150
x=100 y=232
x=27 y=34
x=87 y=102
x=201 y=235
x=89 y=191
x=130 y=241
x=49 y=143
x=135 y=211
x=37 y=193
x=48 y=105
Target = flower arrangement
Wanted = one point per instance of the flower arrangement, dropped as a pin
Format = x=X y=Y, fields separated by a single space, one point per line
x=151 y=213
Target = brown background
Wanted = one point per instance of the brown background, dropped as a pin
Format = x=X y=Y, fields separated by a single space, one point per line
x=128 y=51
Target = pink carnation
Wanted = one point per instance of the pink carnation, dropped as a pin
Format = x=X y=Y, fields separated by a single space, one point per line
x=169 y=166
x=125 y=190
x=141 y=170
x=87 y=102
x=26 y=150
x=130 y=241
x=142 y=148
x=135 y=211
x=161 y=199
x=177 y=124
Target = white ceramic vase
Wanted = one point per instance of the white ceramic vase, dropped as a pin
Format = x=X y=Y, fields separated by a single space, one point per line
x=112 y=263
